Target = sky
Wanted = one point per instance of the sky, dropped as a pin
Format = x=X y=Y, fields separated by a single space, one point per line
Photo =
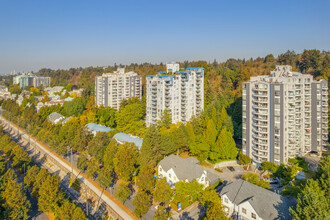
x=62 y=34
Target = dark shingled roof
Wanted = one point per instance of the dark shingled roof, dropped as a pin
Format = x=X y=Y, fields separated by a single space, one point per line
x=266 y=203
x=188 y=168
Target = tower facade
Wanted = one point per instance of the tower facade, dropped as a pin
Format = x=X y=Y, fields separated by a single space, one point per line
x=112 y=88
x=284 y=115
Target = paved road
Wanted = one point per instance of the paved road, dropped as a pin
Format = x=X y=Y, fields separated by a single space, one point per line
x=76 y=172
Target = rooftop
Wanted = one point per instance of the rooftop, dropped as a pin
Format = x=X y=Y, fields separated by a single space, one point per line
x=55 y=116
x=98 y=128
x=185 y=169
x=129 y=138
x=266 y=203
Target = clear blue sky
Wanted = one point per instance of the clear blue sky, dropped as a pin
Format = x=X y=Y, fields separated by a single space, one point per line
x=72 y=33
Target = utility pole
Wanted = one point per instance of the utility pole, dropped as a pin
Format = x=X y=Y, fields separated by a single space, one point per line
x=86 y=200
x=18 y=128
x=71 y=163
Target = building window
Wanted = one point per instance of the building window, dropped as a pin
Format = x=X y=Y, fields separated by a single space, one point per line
x=169 y=175
x=226 y=200
x=243 y=210
x=253 y=215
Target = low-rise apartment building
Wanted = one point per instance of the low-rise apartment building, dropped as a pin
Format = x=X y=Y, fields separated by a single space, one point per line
x=27 y=79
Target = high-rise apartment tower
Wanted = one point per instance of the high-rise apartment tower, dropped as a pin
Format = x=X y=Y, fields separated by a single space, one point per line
x=181 y=93
x=112 y=88
x=285 y=115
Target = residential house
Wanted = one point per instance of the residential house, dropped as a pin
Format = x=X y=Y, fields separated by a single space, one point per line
x=244 y=200
x=175 y=169
x=55 y=117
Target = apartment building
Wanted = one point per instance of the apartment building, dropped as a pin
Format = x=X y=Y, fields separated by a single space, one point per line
x=181 y=92
x=284 y=115
x=112 y=88
x=27 y=79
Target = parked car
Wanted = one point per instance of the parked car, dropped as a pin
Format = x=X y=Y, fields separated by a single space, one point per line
x=232 y=169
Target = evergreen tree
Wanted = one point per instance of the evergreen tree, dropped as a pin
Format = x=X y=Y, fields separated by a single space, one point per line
x=225 y=147
x=210 y=134
x=150 y=150
x=311 y=203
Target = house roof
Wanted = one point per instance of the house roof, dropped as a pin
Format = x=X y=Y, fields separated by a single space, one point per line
x=55 y=116
x=68 y=99
x=66 y=120
x=129 y=138
x=266 y=203
x=98 y=128
x=184 y=168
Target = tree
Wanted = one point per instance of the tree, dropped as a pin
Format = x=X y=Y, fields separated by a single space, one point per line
x=82 y=160
x=123 y=191
x=215 y=212
x=187 y=192
x=311 y=203
x=150 y=150
x=31 y=176
x=210 y=133
x=106 y=116
x=130 y=119
x=15 y=202
x=19 y=156
x=225 y=147
x=161 y=214
x=40 y=179
x=145 y=179
x=254 y=178
x=98 y=144
x=269 y=166
x=244 y=160
x=105 y=177
x=110 y=153
x=163 y=192
x=310 y=59
x=165 y=120
x=69 y=211
x=74 y=107
x=141 y=202
x=50 y=194
x=125 y=160
x=181 y=138
x=92 y=168
x=209 y=197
